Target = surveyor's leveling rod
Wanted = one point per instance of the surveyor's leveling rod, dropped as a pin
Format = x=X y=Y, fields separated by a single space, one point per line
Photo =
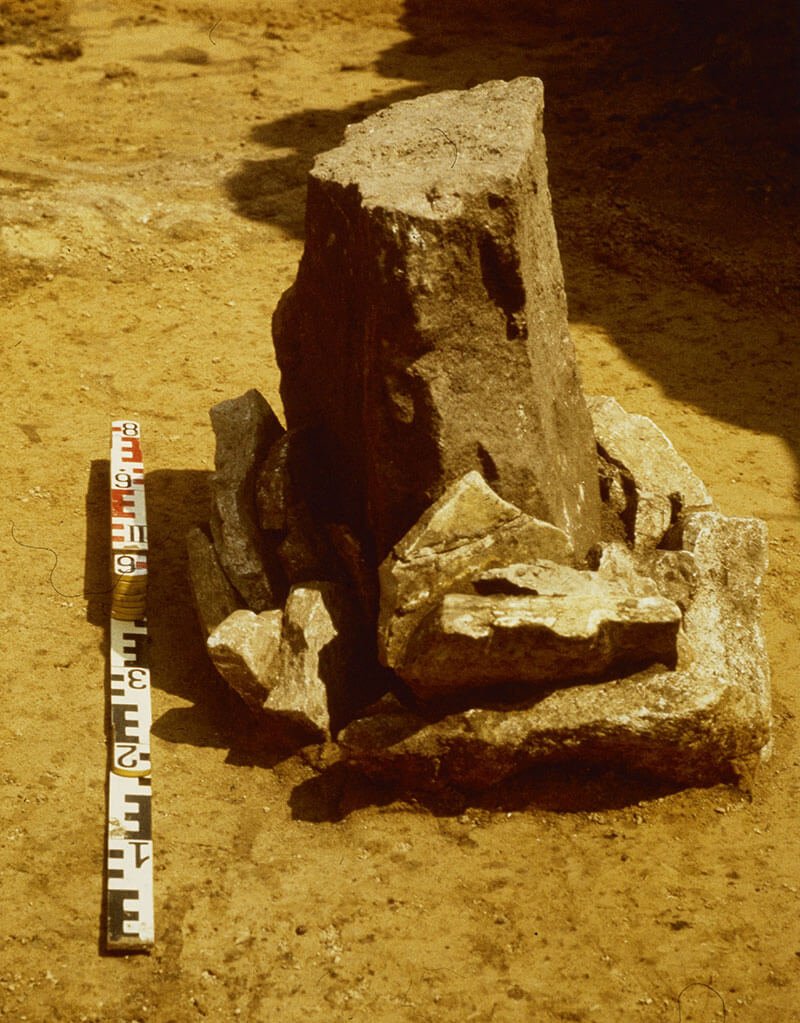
x=129 y=891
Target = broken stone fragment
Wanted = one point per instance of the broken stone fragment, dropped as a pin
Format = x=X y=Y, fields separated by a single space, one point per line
x=214 y=597
x=426 y=334
x=469 y=529
x=316 y=659
x=469 y=511
x=556 y=632
x=723 y=619
x=657 y=484
x=244 y=650
x=703 y=723
x=245 y=428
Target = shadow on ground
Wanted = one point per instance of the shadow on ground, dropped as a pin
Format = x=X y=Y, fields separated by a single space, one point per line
x=339 y=790
x=661 y=119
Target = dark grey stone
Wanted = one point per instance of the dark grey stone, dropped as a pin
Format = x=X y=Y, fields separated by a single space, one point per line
x=214 y=597
x=245 y=428
x=426 y=334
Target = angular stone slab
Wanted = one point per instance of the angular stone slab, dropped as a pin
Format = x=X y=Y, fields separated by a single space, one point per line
x=723 y=620
x=426 y=333
x=316 y=659
x=660 y=484
x=475 y=642
x=705 y=722
x=469 y=529
x=244 y=650
x=245 y=428
x=214 y=597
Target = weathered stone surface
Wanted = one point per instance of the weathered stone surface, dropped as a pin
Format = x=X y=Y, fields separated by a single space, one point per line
x=657 y=484
x=245 y=428
x=214 y=597
x=244 y=649
x=578 y=631
x=704 y=722
x=469 y=529
x=615 y=564
x=675 y=575
x=723 y=620
x=317 y=655
x=426 y=333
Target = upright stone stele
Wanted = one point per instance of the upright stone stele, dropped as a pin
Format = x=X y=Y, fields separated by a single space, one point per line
x=426 y=334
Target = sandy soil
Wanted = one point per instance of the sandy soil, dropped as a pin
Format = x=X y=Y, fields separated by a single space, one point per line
x=152 y=165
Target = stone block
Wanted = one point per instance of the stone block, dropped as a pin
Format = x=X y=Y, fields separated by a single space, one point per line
x=214 y=597
x=426 y=333
x=244 y=650
x=317 y=657
x=705 y=722
x=657 y=484
x=245 y=429
x=469 y=529
x=537 y=641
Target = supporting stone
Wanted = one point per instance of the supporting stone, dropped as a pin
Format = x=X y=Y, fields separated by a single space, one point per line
x=706 y=721
x=214 y=597
x=317 y=658
x=469 y=529
x=656 y=482
x=245 y=428
x=426 y=333
x=537 y=640
x=244 y=650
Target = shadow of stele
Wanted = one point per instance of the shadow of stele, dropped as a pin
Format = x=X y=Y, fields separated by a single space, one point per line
x=621 y=82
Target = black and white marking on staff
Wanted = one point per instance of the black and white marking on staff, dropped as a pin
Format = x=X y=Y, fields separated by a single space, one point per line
x=129 y=854
x=128 y=644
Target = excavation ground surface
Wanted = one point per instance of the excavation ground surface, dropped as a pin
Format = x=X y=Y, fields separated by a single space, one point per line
x=153 y=159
